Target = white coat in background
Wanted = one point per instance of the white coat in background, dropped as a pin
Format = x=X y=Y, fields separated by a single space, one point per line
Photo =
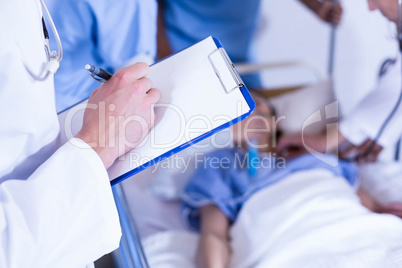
x=56 y=206
x=368 y=116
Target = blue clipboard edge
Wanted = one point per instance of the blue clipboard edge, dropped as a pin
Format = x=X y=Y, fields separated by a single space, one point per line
x=250 y=102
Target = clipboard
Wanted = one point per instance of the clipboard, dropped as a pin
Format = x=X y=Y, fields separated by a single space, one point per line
x=200 y=88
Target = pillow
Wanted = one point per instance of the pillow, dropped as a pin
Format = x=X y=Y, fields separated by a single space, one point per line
x=306 y=109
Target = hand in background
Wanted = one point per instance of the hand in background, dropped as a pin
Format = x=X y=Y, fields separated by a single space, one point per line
x=366 y=152
x=326 y=10
x=330 y=12
x=363 y=153
x=163 y=44
x=120 y=113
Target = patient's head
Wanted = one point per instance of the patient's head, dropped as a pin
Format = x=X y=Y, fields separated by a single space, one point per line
x=259 y=128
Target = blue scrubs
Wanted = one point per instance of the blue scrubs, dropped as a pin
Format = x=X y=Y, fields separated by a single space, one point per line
x=103 y=33
x=228 y=184
x=233 y=22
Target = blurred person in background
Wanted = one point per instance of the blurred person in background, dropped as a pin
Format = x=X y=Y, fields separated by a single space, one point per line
x=109 y=35
x=375 y=123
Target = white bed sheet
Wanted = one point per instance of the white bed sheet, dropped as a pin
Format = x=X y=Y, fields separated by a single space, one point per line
x=310 y=219
x=161 y=211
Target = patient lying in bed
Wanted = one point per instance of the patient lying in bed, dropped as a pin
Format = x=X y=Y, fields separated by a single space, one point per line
x=217 y=191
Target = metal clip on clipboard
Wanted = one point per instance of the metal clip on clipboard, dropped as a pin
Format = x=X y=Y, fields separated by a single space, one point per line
x=225 y=70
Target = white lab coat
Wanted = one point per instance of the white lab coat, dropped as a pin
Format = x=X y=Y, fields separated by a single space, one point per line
x=366 y=119
x=56 y=205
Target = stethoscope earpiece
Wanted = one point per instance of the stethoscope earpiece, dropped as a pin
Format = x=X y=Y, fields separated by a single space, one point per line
x=53 y=66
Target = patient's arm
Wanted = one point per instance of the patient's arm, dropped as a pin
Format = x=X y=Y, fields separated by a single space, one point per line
x=371 y=204
x=213 y=247
x=322 y=143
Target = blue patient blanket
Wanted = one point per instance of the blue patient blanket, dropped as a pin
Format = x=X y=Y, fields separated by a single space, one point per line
x=224 y=180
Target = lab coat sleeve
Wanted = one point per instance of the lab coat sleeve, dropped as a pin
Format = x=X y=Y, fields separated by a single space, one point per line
x=62 y=216
x=367 y=118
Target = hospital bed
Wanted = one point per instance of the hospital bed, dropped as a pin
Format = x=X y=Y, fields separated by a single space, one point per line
x=151 y=205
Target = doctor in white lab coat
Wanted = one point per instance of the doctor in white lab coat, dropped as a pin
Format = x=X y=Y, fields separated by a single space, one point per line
x=358 y=130
x=56 y=204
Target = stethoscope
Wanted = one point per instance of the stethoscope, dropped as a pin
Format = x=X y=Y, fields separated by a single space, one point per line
x=53 y=57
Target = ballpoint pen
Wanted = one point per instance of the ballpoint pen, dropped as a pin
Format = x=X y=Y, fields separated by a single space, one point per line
x=98 y=73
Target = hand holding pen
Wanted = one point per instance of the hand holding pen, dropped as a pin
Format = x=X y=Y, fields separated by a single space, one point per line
x=120 y=113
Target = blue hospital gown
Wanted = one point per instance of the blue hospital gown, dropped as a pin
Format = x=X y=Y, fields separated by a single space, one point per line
x=233 y=22
x=103 y=33
x=228 y=185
